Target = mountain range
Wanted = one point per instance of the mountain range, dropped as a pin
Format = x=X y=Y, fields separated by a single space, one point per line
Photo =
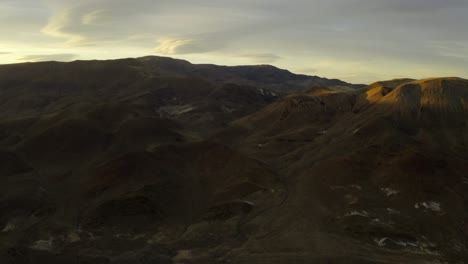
x=157 y=160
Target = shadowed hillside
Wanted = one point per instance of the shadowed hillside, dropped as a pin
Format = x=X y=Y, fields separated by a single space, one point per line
x=155 y=160
x=388 y=173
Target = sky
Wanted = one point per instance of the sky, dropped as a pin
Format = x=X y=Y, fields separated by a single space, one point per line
x=359 y=41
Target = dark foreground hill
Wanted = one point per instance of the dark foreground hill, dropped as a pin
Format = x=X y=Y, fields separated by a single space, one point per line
x=109 y=162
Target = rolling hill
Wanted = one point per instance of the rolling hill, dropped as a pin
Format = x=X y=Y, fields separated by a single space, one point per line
x=387 y=174
x=156 y=160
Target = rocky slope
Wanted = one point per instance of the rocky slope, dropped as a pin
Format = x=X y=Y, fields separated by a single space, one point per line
x=382 y=181
x=142 y=161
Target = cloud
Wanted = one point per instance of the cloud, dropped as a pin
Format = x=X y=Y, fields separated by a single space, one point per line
x=92 y=17
x=453 y=49
x=384 y=36
x=4 y=53
x=416 y=5
x=117 y=20
x=101 y=20
x=57 y=27
x=193 y=44
x=171 y=46
x=48 y=57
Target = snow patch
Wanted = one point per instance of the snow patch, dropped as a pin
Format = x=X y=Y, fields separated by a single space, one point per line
x=267 y=93
x=226 y=109
x=356 y=130
x=10 y=226
x=44 y=245
x=381 y=242
x=380 y=222
x=430 y=205
x=406 y=243
x=175 y=110
x=393 y=211
x=389 y=191
x=357 y=213
x=248 y=202
x=409 y=246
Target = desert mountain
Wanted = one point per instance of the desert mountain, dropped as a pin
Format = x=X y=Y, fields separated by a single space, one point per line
x=262 y=76
x=155 y=160
x=389 y=173
x=123 y=87
x=100 y=150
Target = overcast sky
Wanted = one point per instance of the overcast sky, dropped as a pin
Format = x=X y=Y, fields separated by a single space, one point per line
x=360 y=41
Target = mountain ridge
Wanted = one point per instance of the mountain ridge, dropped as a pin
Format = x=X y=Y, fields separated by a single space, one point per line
x=265 y=75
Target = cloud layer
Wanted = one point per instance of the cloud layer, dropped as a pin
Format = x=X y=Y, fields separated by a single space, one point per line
x=48 y=57
x=357 y=40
